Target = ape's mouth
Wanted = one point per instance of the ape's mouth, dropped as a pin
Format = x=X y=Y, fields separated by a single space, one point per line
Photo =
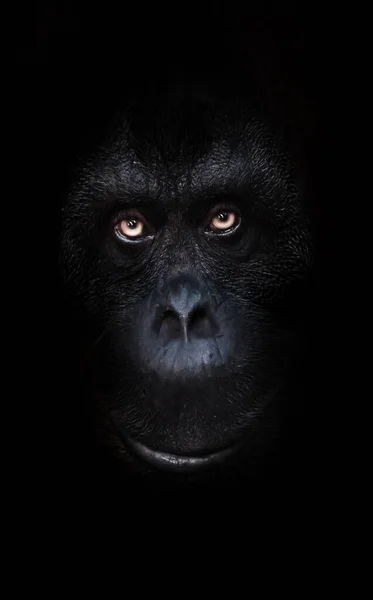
x=175 y=462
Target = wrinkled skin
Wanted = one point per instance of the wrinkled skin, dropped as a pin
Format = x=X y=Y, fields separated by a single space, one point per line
x=193 y=338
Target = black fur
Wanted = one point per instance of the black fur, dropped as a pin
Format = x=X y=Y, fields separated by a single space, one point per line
x=173 y=153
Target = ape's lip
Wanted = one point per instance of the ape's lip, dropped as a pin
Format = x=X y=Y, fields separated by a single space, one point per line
x=175 y=462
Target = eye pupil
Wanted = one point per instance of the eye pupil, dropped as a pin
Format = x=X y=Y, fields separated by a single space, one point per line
x=223 y=216
x=132 y=223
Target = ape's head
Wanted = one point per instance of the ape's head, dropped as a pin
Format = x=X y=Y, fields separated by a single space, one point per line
x=187 y=252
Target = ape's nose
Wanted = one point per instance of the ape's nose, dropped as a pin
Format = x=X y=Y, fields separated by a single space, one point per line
x=185 y=312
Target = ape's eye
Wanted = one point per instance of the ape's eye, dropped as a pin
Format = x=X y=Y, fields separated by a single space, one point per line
x=223 y=221
x=130 y=226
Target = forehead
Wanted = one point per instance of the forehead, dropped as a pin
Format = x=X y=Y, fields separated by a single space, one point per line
x=182 y=119
x=183 y=132
x=180 y=142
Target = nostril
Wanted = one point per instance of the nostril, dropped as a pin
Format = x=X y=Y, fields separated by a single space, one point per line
x=171 y=324
x=200 y=324
x=197 y=324
x=197 y=317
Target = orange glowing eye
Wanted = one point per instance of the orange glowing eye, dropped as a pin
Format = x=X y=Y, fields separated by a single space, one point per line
x=130 y=227
x=224 y=220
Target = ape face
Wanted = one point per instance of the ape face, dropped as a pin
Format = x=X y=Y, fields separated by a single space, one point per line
x=187 y=250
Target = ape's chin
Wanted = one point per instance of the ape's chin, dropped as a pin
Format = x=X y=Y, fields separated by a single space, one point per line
x=178 y=436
